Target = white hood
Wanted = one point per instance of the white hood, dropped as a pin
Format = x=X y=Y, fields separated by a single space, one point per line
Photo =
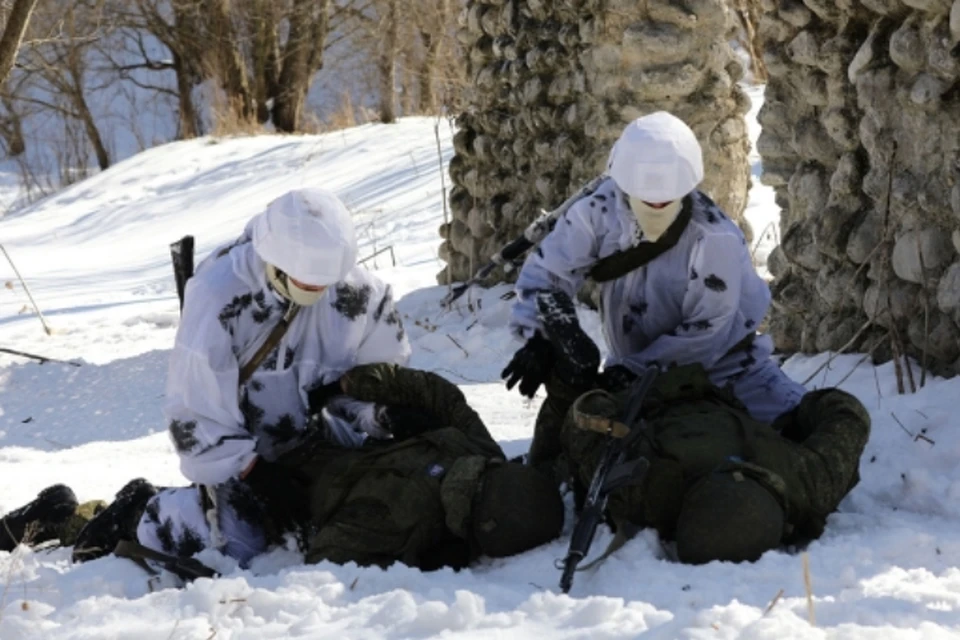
x=308 y=234
x=656 y=159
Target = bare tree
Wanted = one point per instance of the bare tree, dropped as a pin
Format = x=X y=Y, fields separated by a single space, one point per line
x=302 y=57
x=389 y=27
x=434 y=28
x=59 y=59
x=13 y=31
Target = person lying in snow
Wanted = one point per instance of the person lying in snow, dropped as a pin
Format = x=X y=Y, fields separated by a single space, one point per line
x=677 y=284
x=290 y=282
x=401 y=470
x=720 y=483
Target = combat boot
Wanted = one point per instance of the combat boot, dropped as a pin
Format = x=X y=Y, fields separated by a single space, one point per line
x=115 y=523
x=39 y=520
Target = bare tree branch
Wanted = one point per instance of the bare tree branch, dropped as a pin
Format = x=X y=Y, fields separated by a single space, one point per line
x=13 y=33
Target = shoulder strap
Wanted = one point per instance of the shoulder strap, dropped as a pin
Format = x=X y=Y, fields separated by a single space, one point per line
x=623 y=262
x=272 y=340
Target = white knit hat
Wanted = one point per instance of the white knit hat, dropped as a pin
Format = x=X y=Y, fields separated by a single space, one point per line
x=308 y=234
x=656 y=159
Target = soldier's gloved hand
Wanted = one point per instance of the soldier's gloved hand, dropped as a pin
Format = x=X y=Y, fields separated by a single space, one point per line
x=530 y=366
x=321 y=395
x=615 y=378
x=283 y=496
x=577 y=356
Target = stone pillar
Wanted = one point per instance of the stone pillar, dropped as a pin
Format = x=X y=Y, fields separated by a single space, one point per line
x=861 y=141
x=554 y=82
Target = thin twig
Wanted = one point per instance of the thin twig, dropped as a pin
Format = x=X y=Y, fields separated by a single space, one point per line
x=926 y=341
x=897 y=420
x=897 y=367
x=36 y=308
x=443 y=197
x=876 y=381
x=773 y=602
x=453 y=340
x=808 y=585
x=926 y=315
x=846 y=346
x=855 y=367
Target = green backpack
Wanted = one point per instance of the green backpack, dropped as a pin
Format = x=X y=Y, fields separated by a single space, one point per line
x=388 y=502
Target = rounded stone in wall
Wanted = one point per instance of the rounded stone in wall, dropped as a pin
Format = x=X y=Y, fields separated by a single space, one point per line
x=916 y=254
x=948 y=290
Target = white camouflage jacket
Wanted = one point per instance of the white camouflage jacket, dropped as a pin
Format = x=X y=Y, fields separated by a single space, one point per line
x=218 y=427
x=693 y=303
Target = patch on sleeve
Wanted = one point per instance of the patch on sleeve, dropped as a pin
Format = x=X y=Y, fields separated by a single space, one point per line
x=714 y=283
x=351 y=302
x=232 y=310
x=184 y=435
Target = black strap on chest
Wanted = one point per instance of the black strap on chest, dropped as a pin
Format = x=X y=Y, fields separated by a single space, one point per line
x=621 y=263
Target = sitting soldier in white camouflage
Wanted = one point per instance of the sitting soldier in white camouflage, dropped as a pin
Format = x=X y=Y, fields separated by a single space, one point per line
x=298 y=253
x=699 y=300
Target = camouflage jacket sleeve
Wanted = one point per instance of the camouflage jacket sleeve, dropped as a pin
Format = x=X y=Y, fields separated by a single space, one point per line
x=385 y=383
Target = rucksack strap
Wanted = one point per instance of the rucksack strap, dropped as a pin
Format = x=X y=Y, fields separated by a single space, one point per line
x=621 y=263
x=272 y=340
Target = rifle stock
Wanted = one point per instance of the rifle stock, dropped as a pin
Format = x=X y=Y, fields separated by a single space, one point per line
x=599 y=491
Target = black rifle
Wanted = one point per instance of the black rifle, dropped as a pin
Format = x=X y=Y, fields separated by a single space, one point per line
x=181 y=252
x=611 y=474
x=510 y=256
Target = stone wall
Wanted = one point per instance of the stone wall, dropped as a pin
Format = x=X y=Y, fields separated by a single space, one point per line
x=861 y=140
x=553 y=84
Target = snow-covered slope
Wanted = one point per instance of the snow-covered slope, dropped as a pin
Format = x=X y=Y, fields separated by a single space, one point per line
x=97 y=260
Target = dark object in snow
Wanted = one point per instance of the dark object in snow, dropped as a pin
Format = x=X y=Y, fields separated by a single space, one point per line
x=181 y=252
x=117 y=522
x=42 y=359
x=39 y=520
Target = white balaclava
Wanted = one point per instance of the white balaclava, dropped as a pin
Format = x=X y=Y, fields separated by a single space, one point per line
x=657 y=159
x=306 y=234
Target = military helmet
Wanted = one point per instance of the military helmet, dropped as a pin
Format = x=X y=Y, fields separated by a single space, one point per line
x=728 y=516
x=516 y=508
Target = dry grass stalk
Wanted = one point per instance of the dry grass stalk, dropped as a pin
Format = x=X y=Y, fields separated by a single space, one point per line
x=808 y=586
x=842 y=349
x=773 y=602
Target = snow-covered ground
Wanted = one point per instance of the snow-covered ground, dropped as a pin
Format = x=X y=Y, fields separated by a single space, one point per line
x=96 y=258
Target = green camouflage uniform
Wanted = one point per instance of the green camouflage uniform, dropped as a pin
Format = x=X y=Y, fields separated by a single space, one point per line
x=410 y=500
x=809 y=461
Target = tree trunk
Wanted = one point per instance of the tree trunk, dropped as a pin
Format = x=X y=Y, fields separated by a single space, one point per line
x=432 y=43
x=387 y=63
x=302 y=56
x=90 y=127
x=189 y=123
x=264 y=55
x=12 y=130
x=13 y=34
x=228 y=60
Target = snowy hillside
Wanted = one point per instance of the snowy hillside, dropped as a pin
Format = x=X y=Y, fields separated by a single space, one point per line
x=96 y=258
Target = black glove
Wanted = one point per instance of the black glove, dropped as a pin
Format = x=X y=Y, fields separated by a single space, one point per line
x=577 y=356
x=530 y=366
x=283 y=496
x=615 y=378
x=322 y=394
